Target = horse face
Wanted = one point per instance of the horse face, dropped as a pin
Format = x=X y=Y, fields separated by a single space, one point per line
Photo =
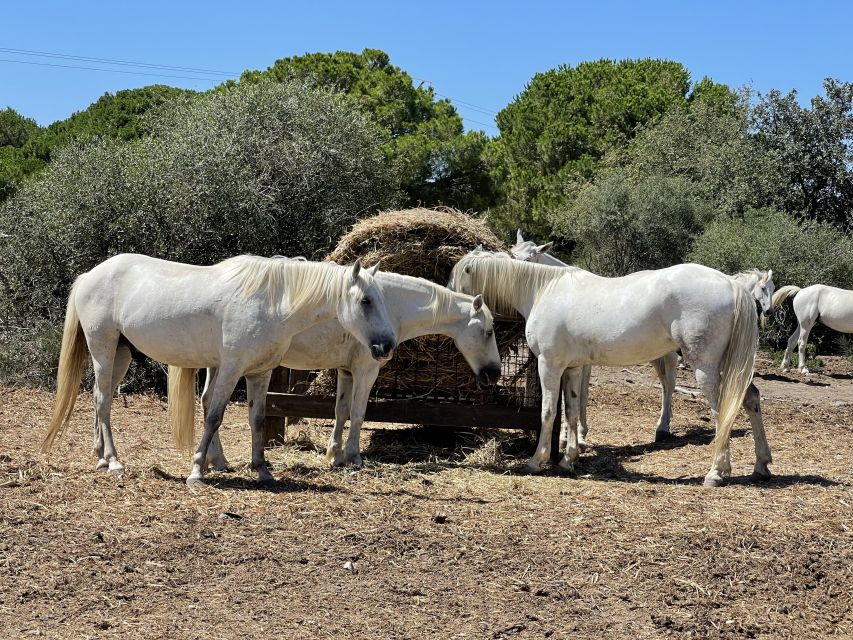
x=477 y=343
x=365 y=316
x=763 y=293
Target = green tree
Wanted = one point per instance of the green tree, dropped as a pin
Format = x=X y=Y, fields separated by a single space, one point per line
x=15 y=129
x=117 y=116
x=437 y=162
x=618 y=226
x=554 y=134
x=709 y=144
x=814 y=148
x=267 y=169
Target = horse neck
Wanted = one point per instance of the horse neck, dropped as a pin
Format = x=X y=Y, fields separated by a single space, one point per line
x=416 y=306
x=747 y=280
x=524 y=298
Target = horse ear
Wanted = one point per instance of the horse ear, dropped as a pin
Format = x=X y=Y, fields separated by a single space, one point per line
x=478 y=248
x=769 y=275
x=374 y=269
x=518 y=237
x=544 y=247
x=356 y=269
x=477 y=303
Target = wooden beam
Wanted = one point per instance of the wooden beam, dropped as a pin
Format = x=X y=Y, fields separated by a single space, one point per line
x=410 y=411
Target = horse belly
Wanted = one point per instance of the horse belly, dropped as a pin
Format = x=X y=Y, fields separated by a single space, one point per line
x=181 y=342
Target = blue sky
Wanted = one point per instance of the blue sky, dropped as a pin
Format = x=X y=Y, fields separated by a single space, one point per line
x=481 y=53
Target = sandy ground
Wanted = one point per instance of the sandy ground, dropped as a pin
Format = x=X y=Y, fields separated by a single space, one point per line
x=438 y=536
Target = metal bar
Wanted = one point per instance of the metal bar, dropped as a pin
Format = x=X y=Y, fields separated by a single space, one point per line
x=410 y=411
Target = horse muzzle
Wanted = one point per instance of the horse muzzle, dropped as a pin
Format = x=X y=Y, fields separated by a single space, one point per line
x=382 y=350
x=488 y=375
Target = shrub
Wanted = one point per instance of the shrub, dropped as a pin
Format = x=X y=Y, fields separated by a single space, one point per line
x=264 y=169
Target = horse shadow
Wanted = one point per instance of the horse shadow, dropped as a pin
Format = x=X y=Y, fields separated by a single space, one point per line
x=234 y=482
x=812 y=383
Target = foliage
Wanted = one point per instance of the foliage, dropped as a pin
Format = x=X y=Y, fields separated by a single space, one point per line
x=555 y=132
x=799 y=253
x=15 y=129
x=619 y=226
x=119 y=116
x=814 y=148
x=265 y=169
x=707 y=143
x=437 y=162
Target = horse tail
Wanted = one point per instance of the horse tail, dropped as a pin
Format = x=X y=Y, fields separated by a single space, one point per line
x=784 y=293
x=737 y=366
x=72 y=364
x=182 y=387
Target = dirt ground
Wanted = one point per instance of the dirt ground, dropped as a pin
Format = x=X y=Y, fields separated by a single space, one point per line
x=438 y=536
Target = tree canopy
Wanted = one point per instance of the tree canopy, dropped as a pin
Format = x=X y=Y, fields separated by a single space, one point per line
x=437 y=162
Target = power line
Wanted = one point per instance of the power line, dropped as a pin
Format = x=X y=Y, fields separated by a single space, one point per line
x=135 y=73
x=196 y=70
x=147 y=65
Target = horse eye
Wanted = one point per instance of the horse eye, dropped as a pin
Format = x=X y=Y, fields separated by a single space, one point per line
x=365 y=302
x=489 y=333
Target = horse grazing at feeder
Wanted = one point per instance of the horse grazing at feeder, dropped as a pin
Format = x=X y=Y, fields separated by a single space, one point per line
x=576 y=318
x=818 y=303
x=238 y=316
x=416 y=307
x=759 y=284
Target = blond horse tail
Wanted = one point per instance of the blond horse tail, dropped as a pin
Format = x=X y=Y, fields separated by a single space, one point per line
x=784 y=293
x=182 y=387
x=737 y=367
x=72 y=364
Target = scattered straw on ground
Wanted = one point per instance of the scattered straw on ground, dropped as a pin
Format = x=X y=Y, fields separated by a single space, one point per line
x=445 y=540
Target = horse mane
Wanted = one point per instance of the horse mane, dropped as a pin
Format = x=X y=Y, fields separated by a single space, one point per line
x=502 y=279
x=299 y=282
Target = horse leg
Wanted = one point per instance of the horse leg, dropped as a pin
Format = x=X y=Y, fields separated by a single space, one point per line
x=256 y=394
x=584 y=399
x=223 y=387
x=565 y=385
x=752 y=407
x=103 y=362
x=572 y=399
x=334 y=452
x=666 y=367
x=708 y=379
x=363 y=381
x=805 y=330
x=549 y=379
x=786 y=360
x=121 y=363
x=215 y=454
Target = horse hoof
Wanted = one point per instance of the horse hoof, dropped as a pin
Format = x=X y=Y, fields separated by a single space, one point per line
x=584 y=446
x=530 y=470
x=195 y=481
x=102 y=465
x=786 y=369
x=805 y=371
x=356 y=461
x=565 y=469
x=762 y=475
x=713 y=480
x=663 y=436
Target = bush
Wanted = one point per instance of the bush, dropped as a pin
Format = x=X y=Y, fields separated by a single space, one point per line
x=799 y=254
x=619 y=226
x=264 y=169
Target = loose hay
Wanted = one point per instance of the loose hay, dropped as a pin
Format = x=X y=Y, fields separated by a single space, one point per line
x=426 y=243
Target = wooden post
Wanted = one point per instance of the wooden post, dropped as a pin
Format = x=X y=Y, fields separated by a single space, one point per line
x=274 y=426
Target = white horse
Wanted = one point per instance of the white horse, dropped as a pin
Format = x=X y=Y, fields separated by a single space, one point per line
x=818 y=303
x=576 y=318
x=238 y=316
x=416 y=307
x=759 y=284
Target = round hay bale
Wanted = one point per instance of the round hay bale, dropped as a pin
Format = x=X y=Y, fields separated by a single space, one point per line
x=424 y=243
